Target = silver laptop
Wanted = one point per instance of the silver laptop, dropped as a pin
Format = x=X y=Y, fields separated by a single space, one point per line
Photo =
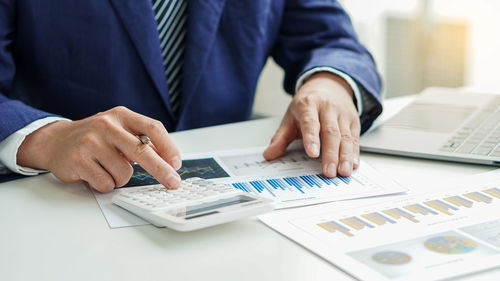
x=442 y=124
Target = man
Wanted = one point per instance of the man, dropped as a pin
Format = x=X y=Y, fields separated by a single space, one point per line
x=127 y=68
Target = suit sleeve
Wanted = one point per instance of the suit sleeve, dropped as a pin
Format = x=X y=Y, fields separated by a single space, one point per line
x=14 y=114
x=319 y=33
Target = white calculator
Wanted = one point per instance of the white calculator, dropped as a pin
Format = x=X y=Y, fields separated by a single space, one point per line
x=198 y=203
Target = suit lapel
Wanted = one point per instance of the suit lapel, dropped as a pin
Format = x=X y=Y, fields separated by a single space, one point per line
x=203 y=20
x=138 y=19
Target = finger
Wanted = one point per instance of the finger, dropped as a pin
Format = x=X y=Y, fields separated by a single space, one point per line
x=146 y=156
x=139 y=124
x=115 y=164
x=346 y=154
x=310 y=127
x=97 y=177
x=330 y=142
x=285 y=134
x=355 y=132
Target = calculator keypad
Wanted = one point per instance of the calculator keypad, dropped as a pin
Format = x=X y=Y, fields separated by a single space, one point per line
x=193 y=190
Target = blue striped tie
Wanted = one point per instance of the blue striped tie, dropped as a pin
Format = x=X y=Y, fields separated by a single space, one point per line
x=171 y=18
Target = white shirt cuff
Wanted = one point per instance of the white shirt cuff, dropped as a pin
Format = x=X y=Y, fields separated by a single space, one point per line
x=355 y=89
x=10 y=145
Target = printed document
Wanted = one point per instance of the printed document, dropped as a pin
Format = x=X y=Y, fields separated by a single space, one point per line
x=291 y=181
x=410 y=237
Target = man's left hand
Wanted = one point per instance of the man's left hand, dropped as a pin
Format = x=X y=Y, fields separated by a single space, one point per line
x=323 y=114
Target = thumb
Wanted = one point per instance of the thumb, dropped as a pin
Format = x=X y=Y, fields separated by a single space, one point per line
x=286 y=133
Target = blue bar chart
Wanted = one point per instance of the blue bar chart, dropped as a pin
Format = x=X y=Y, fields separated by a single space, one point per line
x=300 y=184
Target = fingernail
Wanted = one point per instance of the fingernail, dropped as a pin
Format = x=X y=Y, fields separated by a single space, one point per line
x=314 y=149
x=173 y=180
x=332 y=169
x=346 y=167
x=356 y=161
x=176 y=162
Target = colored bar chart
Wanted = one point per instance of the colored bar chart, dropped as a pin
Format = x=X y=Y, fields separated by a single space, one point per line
x=377 y=218
x=332 y=226
x=446 y=206
x=356 y=223
x=419 y=209
x=478 y=197
x=441 y=206
x=459 y=201
x=399 y=214
x=495 y=192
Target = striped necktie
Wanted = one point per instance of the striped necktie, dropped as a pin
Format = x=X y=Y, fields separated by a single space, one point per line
x=171 y=18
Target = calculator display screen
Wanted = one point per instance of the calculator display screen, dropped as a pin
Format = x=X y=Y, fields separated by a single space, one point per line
x=209 y=206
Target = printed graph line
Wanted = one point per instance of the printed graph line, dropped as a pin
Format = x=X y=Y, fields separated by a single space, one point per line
x=199 y=170
x=142 y=176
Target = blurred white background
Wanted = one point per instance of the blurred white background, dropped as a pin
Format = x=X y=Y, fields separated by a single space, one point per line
x=416 y=44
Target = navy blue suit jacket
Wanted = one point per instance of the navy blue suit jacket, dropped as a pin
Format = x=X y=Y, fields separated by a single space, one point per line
x=75 y=58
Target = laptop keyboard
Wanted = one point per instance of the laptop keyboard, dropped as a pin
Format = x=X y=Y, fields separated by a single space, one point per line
x=480 y=136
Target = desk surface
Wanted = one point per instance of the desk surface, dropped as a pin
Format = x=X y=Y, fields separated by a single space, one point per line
x=52 y=231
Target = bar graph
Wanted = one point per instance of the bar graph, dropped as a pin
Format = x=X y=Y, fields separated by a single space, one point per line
x=495 y=192
x=459 y=201
x=414 y=213
x=399 y=214
x=478 y=197
x=356 y=223
x=332 y=226
x=419 y=209
x=377 y=218
x=299 y=184
x=441 y=206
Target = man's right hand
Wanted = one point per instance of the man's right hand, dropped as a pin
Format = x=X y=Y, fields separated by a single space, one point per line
x=100 y=149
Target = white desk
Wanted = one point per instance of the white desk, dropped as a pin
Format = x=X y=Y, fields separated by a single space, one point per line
x=51 y=231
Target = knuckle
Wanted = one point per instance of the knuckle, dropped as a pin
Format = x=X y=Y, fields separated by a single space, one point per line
x=306 y=101
x=141 y=150
x=69 y=178
x=310 y=121
x=329 y=104
x=309 y=137
x=331 y=157
x=331 y=130
x=77 y=157
x=345 y=158
x=156 y=126
x=125 y=176
x=102 y=122
x=89 y=140
x=103 y=183
x=346 y=137
x=73 y=177
x=119 y=110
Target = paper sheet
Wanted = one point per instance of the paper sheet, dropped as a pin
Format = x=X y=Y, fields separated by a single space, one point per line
x=429 y=236
x=291 y=181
